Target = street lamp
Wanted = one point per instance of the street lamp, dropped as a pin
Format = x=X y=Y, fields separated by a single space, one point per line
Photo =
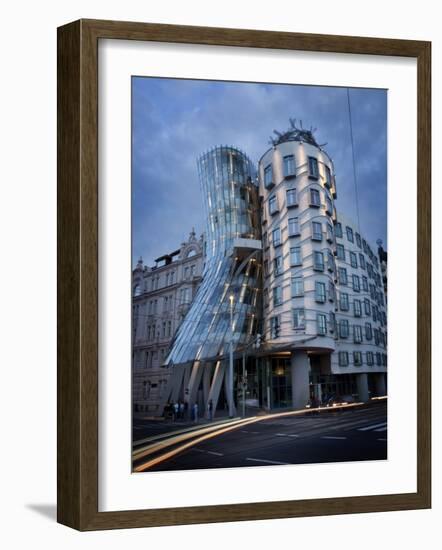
x=231 y=411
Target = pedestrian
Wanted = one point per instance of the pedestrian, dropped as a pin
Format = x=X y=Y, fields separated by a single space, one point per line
x=175 y=411
x=181 y=409
x=210 y=409
x=186 y=410
x=195 y=412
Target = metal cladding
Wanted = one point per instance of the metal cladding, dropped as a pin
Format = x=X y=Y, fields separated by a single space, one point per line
x=233 y=261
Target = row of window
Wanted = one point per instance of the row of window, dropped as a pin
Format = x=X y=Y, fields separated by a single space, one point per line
x=381 y=358
x=155 y=331
x=296 y=260
x=289 y=170
x=361 y=243
x=322 y=322
x=294 y=230
x=292 y=201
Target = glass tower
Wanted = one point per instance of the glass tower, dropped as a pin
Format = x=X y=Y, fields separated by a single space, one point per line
x=227 y=303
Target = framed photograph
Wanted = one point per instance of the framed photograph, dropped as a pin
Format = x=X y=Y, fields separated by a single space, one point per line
x=242 y=217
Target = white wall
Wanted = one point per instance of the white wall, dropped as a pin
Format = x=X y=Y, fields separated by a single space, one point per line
x=27 y=218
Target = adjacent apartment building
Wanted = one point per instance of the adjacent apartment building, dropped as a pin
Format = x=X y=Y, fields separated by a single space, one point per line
x=290 y=288
x=162 y=295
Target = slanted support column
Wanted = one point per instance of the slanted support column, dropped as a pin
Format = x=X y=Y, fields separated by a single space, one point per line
x=216 y=385
x=381 y=388
x=300 y=368
x=194 y=382
x=362 y=383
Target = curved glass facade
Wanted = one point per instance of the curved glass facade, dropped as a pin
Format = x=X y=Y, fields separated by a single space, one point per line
x=233 y=261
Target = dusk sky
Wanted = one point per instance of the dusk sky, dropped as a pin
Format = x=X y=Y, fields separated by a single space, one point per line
x=174 y=121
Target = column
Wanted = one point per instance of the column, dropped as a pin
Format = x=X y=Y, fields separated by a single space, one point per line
x=362 y=383
x=300 y=367
x=381 y=388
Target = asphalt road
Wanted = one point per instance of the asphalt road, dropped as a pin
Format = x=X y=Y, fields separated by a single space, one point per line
x=338 y=436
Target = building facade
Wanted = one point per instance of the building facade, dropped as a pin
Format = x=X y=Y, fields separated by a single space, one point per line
x=290 y=289
x=324 y=303
x=162 y=295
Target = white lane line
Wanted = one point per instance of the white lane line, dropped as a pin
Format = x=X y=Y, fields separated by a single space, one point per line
x=372 y=427
x=214 y=453
x=381 y=429
x=381 y=439
x=293 y=435
x=266 y=461
x=281 y=435
x=333 y=437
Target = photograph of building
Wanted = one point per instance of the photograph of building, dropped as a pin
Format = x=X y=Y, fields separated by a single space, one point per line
x=278 y=308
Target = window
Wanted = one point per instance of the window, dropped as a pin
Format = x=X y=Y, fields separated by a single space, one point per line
x=362 y=260
x=357 y=308
x=169 y=328
x=293 y=226
x=378 y=359
x=357 y=358
x=349 y=234
x=358 y=239
x=370 y=358
x=299 y=318
x=332 y=321
x=353 y=260
x=329 y=233
x=274 y=326
x=313 y=171
x=340 y=252
x=315 y=198
x=297 y=286
x=356 y=283
x=318 y=261
x=338 y=230
x=277 y=265
x=367 y=307
x=273 y=205
x=331 y=291
x=376 y=337
x=316 y=231
x=328 y=206
x=291 y=198
x=277 y=296
x=343 y=358
x=289 y=166
x=342 y=274
x=268 y=176
x=320 y=292
x=295 y=256
x=330 y=261
x=266 y=268
x=343 y=328
x=343 y=301
x=276 y=236
x=328 y=178
x=321 y=324
x=364 y=283
x=384 y=359
x=357 y=334
x=266 y=297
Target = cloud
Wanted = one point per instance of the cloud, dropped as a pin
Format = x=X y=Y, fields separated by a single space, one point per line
x=174 y=121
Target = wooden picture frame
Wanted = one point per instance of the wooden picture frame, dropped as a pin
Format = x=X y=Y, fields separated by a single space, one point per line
x=78 y=274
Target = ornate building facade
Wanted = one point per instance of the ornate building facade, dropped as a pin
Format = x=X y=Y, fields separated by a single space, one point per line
x=162 y=295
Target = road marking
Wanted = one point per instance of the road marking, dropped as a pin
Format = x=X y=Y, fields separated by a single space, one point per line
x=281 y=435
x=214 y=453
x=198 y=450
x=372 y=427
x=381 y=439
x=266 y=461
x=333 y=437
x=381 y=429
x=293 y=435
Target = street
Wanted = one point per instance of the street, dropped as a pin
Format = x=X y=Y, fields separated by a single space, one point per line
x=358 y=433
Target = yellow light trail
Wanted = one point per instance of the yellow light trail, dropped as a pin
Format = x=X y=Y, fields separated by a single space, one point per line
x=212 y=432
